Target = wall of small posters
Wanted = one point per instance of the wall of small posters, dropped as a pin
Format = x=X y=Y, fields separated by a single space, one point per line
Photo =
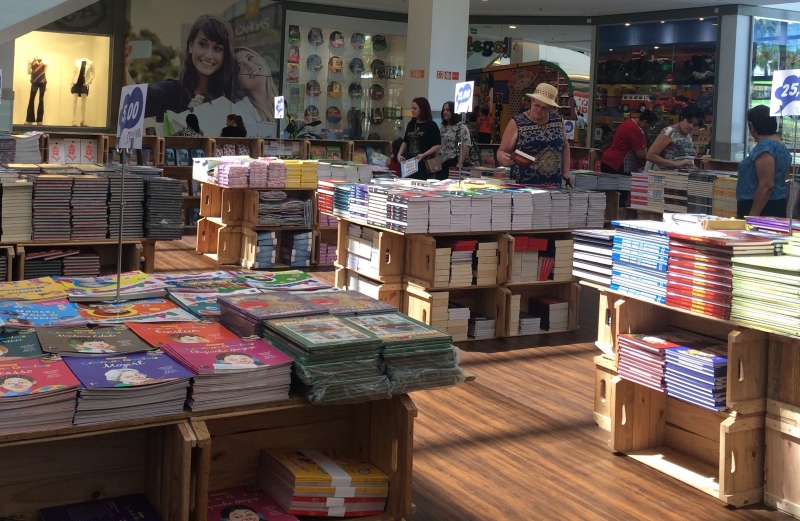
x=350 y=80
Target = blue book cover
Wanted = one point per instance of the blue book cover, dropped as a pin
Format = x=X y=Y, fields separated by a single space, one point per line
x=714 y=405
x=712 y=356
x=138 y=369
x=647 y=246
x=693 y=386
x=655 y=227
x=639 y=294
x=706 y=379
x=52 y=313
x=639 y=261
x=639 y=252
x=640 y=278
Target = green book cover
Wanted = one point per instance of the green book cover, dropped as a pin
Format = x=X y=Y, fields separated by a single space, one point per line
x=393 y=328
x=321 y=331
x=20 y=344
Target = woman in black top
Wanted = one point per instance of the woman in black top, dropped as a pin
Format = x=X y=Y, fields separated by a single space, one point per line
x=235 y=127
x=422 y=139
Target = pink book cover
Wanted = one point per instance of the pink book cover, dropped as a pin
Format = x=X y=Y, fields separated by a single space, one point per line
x=209 y=358
x=245 y=504
x=35 y=376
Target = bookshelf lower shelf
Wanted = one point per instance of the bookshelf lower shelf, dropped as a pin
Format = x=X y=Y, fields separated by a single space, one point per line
x=680 y=466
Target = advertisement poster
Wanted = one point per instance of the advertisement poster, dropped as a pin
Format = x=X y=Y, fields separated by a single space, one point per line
x=209 y=59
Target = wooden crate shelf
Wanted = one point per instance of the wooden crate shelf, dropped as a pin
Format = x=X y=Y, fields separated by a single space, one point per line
x=219 y=242
x=391 y=293
x=304 y=144
x=133 y=251
x=229 y=444
x=154 y=143
x=604 y=370
x=101 y=152
x=390 y=248
x=255 y=146
x=566 y=291
x=782 y=459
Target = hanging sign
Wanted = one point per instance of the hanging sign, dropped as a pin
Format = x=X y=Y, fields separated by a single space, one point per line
x=581 y=103
x=130 y=123
x=280 y=108
x=464 y=97
x=785 y=100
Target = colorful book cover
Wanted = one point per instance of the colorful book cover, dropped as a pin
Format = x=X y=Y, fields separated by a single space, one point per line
x=145 y=310
x=22 y=344
x=318 y=152
x=393 y=327
x=347 y=302
x=204 y=305
x=105 y=285
x=185 y=332
x=52 y=313
x=245 y=504
x=91 y=341
x=34 y=289
x=321 y=331
x=318 y=466
x=136 y=369
x=271 y=305
x=333 y=152
x=212 y=282
x=135 y=507
x=228 y=355
x=35 y=376
x=289 y=280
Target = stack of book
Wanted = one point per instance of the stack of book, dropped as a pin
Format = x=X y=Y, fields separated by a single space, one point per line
x=323 y=170
x=596 y=211
x=676 y=191
x=408 y=212
x=341 y=199
x=344 y=303
x=163 y=217
x=700 y=268
x=457 y=320
x=327 y=253
x=133 y=211
x=655 y=191
x=592 y=256
x=16 y=315
x=642 y=358
x=560 y=210
x=158 y=335
x=83 y=341
x=296 y=248
x=481 y=327
x=502 y=207
x=334 y=359
x=698 y=374
x=133 y=285
x=553 y=312
x=639 y=194
x=143 y=310
x=359 y=201
x=542 y=208
x=3 y=266
x=701 y=193
x=126 y=387
x=725 y=196
x=461 y=262
x=45 y=263
x=529 y=325
x=83 y=264
x=266 y=253
x=480 y=211
x=277 y=174
x=378 y=197
x=294 y=173
x=16 y=211
x=204 y=305
x=306 y=482
x=526 y=258
x=439 y=214
x=579 y=208
x=51 y=207
x=417 y=356
x=640 y=259
x=308 y=174
x=89 y=207
x=259 y=174
x=515 y=302
x=233 y=372
x=562 y=252
x=244 y=314
x=240 y=503
x=37 y=393
x=766 y=292
x=287 y=280
x=521 y=210
x=484 y=264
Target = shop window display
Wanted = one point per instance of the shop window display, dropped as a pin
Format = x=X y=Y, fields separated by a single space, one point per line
x=351 y=81
x=66 y=76
x=660 y=66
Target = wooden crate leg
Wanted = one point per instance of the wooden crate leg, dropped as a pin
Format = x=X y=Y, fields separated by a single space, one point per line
x=201 y=465
x=149 y=254
x=177 y=458
x=741 y=460
x=637 y=416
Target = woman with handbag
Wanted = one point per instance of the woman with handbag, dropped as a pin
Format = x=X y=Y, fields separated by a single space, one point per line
x=422 y=140
x=454 y=132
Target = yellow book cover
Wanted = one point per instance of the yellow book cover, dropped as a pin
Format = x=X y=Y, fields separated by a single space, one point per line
x=310 y=465
x=330 y=491
x=30 y=290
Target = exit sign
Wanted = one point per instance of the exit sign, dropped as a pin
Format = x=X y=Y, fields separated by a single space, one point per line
x=473 y=30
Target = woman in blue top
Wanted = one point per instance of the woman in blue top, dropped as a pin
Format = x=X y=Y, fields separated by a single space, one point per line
x=761 y=188
x=540 y=133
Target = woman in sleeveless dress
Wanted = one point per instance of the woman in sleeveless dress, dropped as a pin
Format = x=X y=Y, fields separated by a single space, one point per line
x=538 y=132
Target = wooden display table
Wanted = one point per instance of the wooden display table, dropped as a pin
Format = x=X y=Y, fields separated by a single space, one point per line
x=134 y=251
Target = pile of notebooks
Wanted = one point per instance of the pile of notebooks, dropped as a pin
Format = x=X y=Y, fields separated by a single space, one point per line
x=296 y=248
x=16 y=210
x=276 y=209
x=642 y=357
x=335 y=360
x=554 y=313
x=230 y=373
x=133 y=285
x=89 y=207
x=481 y=327
x=83 y=264
x=698 y=374
x=528 y=324
x=640 y=259
x=133 y=211
x=243 y=314
x=129 y=386
x=592 y=256
x=345 y=303
x=330 y=483
x=417 y=356
x=51 y=207
x=766 y=292
x=163 y=219
x=266 y=253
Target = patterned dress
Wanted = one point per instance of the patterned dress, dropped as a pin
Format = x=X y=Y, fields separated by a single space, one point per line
x=546 y=144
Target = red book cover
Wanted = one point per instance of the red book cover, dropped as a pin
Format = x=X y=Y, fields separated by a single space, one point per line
x=681 y=253
x=35 y=376
x=700 y=266
x=520 y=243
x=691 y=291
x=698 y=282
x=185 y=332
x=720 y=237
x=699 y=275
x=699 y=306
x=535 y=244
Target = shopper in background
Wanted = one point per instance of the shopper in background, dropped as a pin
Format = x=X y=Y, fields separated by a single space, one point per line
x=235 y=127
x=422 y=139
x=673 y=148
x=394 y=164
x=628 y=150
x=485 y=126
x=453 y=132
x=192 y=128
x=761 y=187
x=538 y=132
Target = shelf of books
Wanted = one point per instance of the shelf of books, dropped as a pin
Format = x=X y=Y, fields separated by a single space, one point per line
x=151 y=153
x=582 y=158
x=720 y=164
x=331 y=150
x=287 y=148
x=69 y=258
x=233 y=146
x=365 y=151
x=74 y=148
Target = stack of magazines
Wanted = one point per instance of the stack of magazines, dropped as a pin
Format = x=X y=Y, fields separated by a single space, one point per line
x=244 y=314
x=275 y=209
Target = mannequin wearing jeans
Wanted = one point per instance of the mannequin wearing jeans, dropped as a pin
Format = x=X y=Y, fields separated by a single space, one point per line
x=37 y=68
x=81 y=79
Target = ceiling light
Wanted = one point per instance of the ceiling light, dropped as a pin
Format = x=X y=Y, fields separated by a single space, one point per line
x=656 y=46
x=611 y=49
x=702 y=19
x=663 y=22
x=627 y=25
x=512 y=26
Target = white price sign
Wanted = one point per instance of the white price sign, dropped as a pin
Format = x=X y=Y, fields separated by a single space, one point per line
x=130 y=123
x=785 y=100
x=464 y=97
x=569 y=126
x=581 y=103
x=280 y=108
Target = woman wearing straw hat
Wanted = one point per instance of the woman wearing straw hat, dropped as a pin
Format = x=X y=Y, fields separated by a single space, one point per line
x=540 y=134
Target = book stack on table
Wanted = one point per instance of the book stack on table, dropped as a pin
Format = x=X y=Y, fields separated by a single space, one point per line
x=328 y=483
x=458 y=321
x=542 y=209
x=163 y=216
x=461 y=262
x=16 y=210
x=698 y=374
x=89 y=207
x=482 y=327
x=553 y=312
x=266 y=250
x=766 y=292
x=51 y=207
x=243 y=314
x=485 y=262
x=639 y=193
x=560 y=210
x=461 y=213
x=502 y=208
x=592 y=256
x=578 y=208
x=521 y=210
x=640 y=259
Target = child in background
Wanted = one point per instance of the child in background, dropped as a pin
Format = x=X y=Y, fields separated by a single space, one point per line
x=394 y=164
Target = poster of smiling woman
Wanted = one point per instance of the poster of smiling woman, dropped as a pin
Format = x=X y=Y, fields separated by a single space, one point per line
x=207 y=58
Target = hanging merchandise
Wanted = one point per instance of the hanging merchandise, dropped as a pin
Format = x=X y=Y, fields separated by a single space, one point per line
x=335 y=89
x=335 y=64
x=376 y=92
x=357 y=66
x=379 y=43
x=333 y=115
x=357 y=41
x=294 y=54
x=313 y=88
x=377 y=67
x=355 y=90
x=312 y=113
x=315 y=36
x=292 y=72
x=294 y=34
x=377 y=116
x=314 y=63
x=337 y=40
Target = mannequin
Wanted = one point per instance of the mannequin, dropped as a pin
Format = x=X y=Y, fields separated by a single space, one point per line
x=37 y=68
x=81 y=79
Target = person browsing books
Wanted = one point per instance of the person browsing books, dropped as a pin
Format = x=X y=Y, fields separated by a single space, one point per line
x=761 y=186
x=235 y=127
x=454 y=133
x=539 y=134
x=422 y=139
x=673 y=148
x=628 y=148
x=192 y=128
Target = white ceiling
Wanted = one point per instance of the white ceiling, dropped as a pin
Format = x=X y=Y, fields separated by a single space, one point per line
x=549 y=8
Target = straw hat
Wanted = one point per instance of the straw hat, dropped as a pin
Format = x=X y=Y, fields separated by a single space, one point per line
x=545 y=93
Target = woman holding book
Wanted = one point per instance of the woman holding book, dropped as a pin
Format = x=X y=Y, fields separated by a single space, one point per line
x=761 y=187
x=454 y=133
x=673 y=148
x=535 y=142
x=422 y=139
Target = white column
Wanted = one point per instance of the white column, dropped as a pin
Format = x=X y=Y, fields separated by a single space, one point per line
x=7 y=105
x=733 y=80
x=437 y=41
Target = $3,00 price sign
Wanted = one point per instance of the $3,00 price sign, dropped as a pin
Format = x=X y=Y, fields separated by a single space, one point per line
x=130 y=122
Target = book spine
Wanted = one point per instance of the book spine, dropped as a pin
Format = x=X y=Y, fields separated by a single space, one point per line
x=639 y=261
x=641 y=246
x=638 y=293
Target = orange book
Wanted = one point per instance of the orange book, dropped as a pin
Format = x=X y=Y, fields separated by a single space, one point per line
x=184 y=333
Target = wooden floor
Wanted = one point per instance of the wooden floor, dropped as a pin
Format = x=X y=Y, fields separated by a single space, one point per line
x=519 y=443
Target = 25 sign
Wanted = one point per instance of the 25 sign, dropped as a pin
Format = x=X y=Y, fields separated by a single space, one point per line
x=785 y=92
